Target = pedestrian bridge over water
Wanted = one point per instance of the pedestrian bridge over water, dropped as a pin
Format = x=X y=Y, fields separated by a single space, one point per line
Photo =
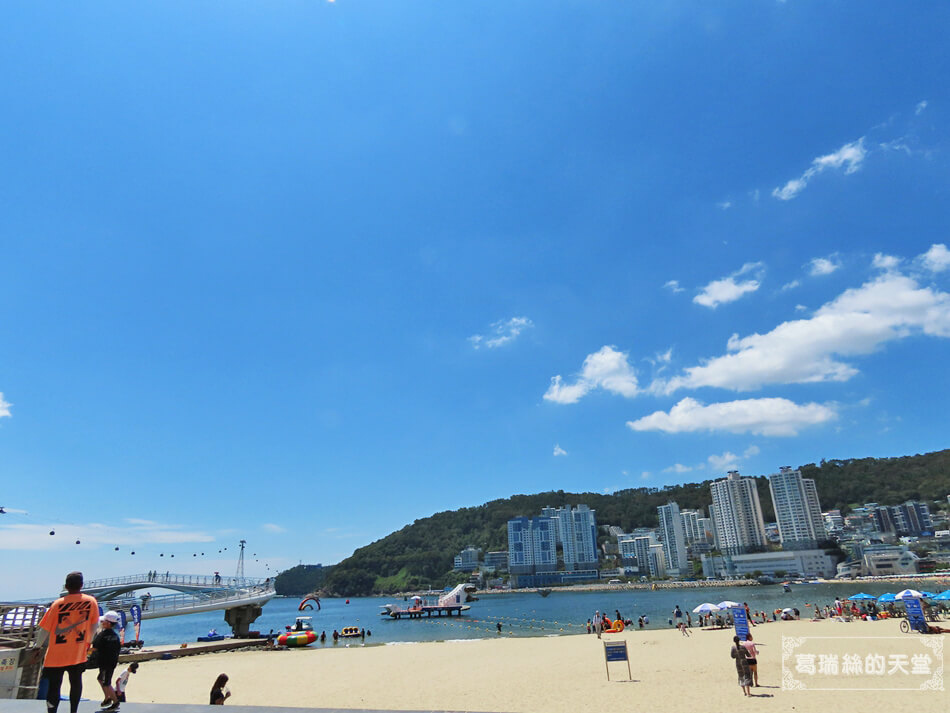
x=193 y=593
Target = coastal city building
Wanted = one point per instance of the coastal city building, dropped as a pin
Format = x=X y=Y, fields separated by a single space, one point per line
x=673 y=538
x=694 y=526
x=909 y=519
x=467 y=559
x=798 y=563
x=577 y=535
x=532 y=545
x=737 y=514
x=496 y=561
x=797 y=510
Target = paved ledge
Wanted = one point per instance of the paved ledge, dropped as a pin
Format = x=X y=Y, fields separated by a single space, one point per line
x=25 y=706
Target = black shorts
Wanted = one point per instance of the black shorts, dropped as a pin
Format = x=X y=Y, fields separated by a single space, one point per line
x=751 y=662
x=105 y=675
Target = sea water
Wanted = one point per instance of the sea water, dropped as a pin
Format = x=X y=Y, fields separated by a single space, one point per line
x=519 y=613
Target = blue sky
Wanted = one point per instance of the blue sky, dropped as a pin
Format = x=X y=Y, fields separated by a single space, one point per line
x=304 y=272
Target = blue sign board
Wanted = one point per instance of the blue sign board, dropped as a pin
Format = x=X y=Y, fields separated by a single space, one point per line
x=742 y=624
x=616 y=651
x=136 y=612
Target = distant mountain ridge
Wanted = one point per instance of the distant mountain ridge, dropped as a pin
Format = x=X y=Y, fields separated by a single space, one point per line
x=422 y=554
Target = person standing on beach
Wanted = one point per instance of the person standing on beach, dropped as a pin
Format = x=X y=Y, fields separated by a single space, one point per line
x=106 y=645
x=677 y=616
x=598 y=623
x=69 y=623
x=752 y=658
x=741 y=656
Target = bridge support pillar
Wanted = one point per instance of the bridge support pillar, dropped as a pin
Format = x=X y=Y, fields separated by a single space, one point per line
x=241 y=618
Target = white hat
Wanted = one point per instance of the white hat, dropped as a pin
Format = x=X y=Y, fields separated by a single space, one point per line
x=111 y=616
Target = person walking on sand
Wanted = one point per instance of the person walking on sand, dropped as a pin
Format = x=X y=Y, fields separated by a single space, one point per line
x=752 y=658
x=219 y=691
x=741 y=656
x=69 y=623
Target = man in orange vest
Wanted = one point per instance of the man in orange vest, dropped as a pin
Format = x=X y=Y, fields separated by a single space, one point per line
x=70 y=623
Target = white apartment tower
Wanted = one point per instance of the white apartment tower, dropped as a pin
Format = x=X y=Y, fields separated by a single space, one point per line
x=577 y=531
x=797 y=511
x=673 y=537
x=737 y=515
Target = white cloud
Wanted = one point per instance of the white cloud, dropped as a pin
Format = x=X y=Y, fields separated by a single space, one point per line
x=723 y=462
x=850 y=157
x=760 y=417
x=273 y=528
x=678 y=468
x=822 y=266
x=673 y=285
x=920 y=107
x=750 y=451
x=791 y=285
x=4 y=407
x=886 y=262
x=937 y=259
x=858 y=322
x=665 y=357
x=501 y=332
x=558 y=451
x=645 y=475
x=801 y=308
x=728 y=289
x=725 y=205
x=608 y=369
x=37 y=537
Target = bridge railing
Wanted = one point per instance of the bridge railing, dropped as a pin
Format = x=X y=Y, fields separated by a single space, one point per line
x=189 y=580
x=188 y=600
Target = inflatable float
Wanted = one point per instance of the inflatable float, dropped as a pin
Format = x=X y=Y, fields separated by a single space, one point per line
x=297 y=638
x=305 y=603
x=613 y=627
x=350 y=631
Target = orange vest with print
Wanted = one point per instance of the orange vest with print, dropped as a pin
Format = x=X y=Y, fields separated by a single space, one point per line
x=71 y=621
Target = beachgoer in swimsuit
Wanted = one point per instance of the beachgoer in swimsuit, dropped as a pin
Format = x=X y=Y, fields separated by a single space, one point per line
x=741 y=656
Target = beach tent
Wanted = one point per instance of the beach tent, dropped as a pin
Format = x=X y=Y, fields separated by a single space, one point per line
x=706 y=607
x=728 y=605
x=886 y=598
x=909 y=594
x=861 y=597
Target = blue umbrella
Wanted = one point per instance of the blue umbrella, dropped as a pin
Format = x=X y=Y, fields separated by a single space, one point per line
x=928 y=595
x=887 y=598
x=943 y=596
x=861 y=597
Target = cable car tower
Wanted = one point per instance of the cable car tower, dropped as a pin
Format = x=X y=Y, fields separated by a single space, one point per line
x=240 y=565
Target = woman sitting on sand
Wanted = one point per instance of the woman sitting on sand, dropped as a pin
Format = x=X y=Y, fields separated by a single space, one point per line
x=219 y=691
x=741 y=656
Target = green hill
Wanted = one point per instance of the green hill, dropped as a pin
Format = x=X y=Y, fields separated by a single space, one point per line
x=421 y=554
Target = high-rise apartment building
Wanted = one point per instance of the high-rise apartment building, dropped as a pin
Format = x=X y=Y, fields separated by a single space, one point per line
x=532 y=545
x=737 y=515
x=797 y=510
x=673 y=538
x=577 y=533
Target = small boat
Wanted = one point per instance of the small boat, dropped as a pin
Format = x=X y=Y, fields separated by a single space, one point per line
x=786 y=587
x=300 y=634
x=350 y=632
x=216 y=637
x=211 y=636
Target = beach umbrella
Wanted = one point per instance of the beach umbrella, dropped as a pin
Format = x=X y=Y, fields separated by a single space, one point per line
x=943 y=596
x=909 y=594
x=728 y=605
x=860 y=597
x=705 y=608
x=788 y=610
x=928 y=595
x=886 y=598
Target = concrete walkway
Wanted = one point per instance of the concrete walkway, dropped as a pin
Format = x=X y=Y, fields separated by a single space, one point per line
x=21 y=706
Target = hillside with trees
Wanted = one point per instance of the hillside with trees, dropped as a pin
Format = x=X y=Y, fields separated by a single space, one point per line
x=421 y=554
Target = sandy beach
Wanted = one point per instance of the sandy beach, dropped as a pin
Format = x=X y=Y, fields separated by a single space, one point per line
x=565 y=673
